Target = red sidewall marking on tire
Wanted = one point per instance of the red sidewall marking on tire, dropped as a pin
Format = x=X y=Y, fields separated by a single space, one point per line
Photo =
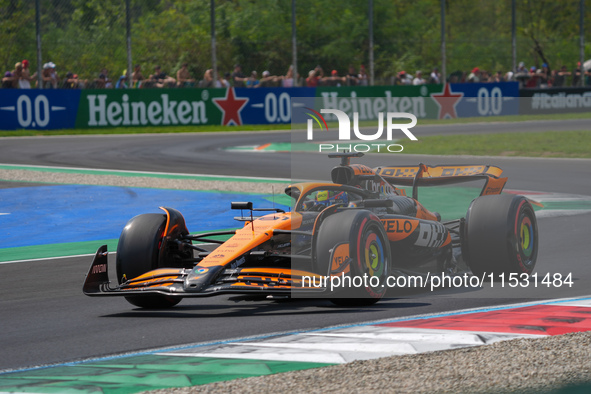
x=359 y=235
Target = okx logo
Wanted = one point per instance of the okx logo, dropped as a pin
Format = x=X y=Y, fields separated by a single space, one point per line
x=365 y=135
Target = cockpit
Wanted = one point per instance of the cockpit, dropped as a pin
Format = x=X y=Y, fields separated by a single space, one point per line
x=316 y=199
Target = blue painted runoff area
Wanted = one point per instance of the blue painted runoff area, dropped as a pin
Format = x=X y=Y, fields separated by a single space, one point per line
x=44 y=215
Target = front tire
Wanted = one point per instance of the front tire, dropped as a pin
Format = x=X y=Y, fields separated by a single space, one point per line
x=138 y=252
x=368 y=255
x=500 y=235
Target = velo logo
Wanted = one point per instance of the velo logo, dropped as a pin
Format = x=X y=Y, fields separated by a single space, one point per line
x=345 y=130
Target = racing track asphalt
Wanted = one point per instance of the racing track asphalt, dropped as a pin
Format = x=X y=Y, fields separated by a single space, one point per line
x=44 y=318
x=193 y=153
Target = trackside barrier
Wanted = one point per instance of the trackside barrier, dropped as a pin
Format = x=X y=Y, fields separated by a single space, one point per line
x=556 y=100
x=87 y=109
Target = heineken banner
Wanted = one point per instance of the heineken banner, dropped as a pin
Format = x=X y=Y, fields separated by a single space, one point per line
x=38 y=109
x=84 y=109
x=176 y=107
x=426 y=101
x=484 y=99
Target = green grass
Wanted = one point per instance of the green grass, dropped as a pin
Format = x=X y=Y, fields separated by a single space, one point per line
x=544 y=144
x=508 y=118
x=214 y=128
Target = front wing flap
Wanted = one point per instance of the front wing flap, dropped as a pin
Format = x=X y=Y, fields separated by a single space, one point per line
x=179 y=282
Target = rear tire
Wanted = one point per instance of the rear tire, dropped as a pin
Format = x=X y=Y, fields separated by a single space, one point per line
x=369 y=255
x=138 y=252
x=500 y=235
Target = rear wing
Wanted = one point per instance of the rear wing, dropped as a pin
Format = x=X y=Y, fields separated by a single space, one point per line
x=424 y=175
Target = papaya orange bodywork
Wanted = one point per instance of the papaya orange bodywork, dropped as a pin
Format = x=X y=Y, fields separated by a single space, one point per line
x=253 y=233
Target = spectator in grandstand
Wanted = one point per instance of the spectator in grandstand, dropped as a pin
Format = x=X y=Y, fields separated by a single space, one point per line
x=544 y=76
x=183 y=77
x=320 y=75
x=238 y=79
x=50 y=77
x=160 y=80
x=122 y=81
x=560 y=76
x=552 y=78
x=287 y=81
x=207 y=81
x=26 y=78
x=418 y=80
x=352 y=79
x=103 y=81
x=137 y=78
x=312 y=80
x=458 y=77
x=405 y=78
x=434 y=77
x=8 y=80
x=108 y=81
x=498 y=77
x=534 y=80
x=474 y=76
x=268 y=80
x=17 y=74
x=67 y=82
x=521 y=74
x=253 y=80
x=521 y=69
x=75 y=82
x=299 y=81
x=362 y=78
x=222 y=81
x=576 y=81
x=335 y=79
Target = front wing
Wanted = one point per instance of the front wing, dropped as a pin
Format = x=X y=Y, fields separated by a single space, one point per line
x=180 y=282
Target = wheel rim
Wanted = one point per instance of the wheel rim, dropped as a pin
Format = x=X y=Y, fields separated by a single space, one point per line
x=374 y=255
x=526 y=239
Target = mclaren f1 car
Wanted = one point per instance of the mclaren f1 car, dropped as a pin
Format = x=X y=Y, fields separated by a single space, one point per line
x=360 y=225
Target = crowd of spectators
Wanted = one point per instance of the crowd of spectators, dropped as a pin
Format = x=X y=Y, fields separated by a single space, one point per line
x=20 y=77
x=533 y=77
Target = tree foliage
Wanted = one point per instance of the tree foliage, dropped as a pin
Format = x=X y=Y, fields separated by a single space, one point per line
x=84 y=36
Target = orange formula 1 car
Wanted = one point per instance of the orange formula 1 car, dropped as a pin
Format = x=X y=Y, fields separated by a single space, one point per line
x=359 y=227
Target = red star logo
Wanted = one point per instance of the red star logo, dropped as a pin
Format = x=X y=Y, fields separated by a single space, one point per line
x=231 y=107
x=447 y=102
